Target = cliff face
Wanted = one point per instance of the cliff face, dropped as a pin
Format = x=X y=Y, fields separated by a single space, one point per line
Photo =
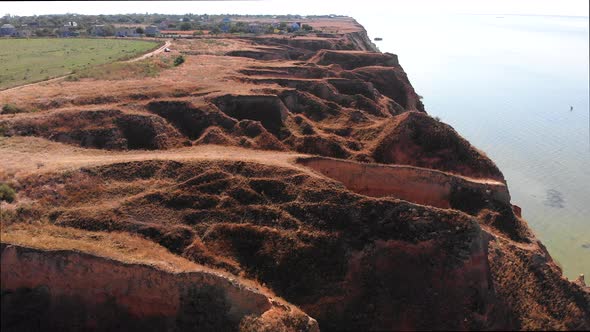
x=327 y=184
x=68 y=290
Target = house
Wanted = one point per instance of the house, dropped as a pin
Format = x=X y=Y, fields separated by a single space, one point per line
x=164 y=25
x=255 y=28
x=98 y=30
x=127 y=32
x=7 y=30
x=66 y=31
x=151 y=31
x=225 y=25
x=22 y=33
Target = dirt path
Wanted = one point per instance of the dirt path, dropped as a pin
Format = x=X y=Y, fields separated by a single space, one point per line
x=147 y=55
x=55 y=79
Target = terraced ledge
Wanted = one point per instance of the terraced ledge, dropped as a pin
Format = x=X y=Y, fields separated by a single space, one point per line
x=414 y=184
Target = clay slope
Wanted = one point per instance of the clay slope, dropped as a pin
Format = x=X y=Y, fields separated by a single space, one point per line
x=125 y=283
x=350 y=253
x=417 y=139
x=301 y=166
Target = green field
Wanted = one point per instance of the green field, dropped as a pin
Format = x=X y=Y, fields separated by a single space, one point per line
x=31 y=60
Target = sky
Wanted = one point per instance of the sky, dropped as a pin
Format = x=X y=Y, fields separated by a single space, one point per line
x=302 y=7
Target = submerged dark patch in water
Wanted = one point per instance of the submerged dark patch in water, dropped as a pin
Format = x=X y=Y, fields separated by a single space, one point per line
x=586 y=245
x=554 y=199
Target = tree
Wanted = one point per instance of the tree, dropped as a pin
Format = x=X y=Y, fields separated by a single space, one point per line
x=139 y=30
x=109 y=30
x=185 y=26
x=6 y=194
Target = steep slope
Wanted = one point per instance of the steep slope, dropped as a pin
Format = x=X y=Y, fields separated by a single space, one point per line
x=301 y=166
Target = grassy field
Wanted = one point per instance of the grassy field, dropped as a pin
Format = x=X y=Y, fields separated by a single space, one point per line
x=31 y=60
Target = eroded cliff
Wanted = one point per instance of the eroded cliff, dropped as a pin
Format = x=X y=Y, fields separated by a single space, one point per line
x=304 y=167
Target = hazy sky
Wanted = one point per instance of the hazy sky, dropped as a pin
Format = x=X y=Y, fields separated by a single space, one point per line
x=304 y=7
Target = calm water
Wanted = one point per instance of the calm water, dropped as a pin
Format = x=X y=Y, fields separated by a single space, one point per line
x=507 y=84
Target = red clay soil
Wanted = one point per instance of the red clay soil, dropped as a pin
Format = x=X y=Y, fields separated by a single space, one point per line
x=417 y=139
x=407 y=227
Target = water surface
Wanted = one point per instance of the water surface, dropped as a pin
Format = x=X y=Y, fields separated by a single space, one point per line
x=508 y=85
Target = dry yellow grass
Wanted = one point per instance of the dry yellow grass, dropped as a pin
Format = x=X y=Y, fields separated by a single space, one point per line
x=118 y=246
x=23 y=156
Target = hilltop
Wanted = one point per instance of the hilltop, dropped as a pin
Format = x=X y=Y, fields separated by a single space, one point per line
x=267 y=183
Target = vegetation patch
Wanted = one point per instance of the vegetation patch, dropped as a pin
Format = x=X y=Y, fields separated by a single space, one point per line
x=178 y=60
x=31 y=60
x=11 y=109
x=123 y=70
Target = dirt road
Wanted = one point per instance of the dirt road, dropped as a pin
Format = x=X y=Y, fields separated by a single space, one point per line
x=147 y=55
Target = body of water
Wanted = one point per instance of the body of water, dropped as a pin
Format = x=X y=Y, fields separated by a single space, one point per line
x=517 y=88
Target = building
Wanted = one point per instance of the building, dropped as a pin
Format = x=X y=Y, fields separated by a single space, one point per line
x=164 y=25
x=127 y=32
x=151 y=31
x=22 y=33
x=98 y=30
x=255 y=28
x=225 y=25
x=7 y=30
x=68 y=31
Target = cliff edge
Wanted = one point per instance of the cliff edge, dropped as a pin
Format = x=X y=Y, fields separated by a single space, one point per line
x=269 y=183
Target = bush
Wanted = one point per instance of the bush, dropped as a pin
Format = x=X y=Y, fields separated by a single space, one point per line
x=178 y=61
x=11 y=109
x=6 y=193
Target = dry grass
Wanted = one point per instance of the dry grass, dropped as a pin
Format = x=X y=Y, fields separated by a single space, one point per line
x=118 y=246
x=28 y=155
x=150 y=67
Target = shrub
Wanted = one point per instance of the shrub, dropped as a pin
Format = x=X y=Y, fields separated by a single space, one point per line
x=178 y=61
x=6 y=193
x=11 y=109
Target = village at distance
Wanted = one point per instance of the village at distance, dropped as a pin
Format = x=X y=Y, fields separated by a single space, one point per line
x=150 y=25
